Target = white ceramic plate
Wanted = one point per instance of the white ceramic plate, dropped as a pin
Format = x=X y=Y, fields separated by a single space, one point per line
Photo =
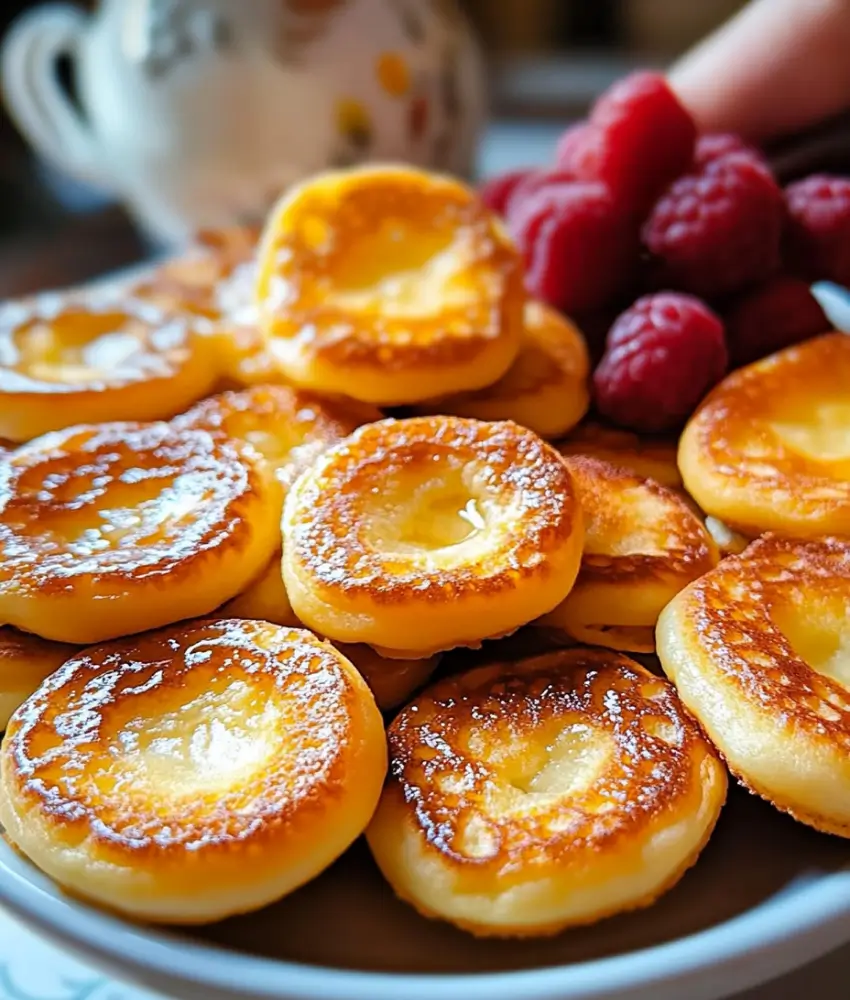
x=767 y=896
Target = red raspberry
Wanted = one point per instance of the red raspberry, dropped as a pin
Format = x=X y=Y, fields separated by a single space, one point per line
x=777 y=314
x=718 y=230
x=571 y=140
x=497 y=192
x=638 y=139
x=817 y=241
x=534 y=181
x=580 y=251
x=718 y=145
x=663 y=354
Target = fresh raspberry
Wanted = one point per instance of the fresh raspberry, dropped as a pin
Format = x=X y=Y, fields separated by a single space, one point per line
x=570 y=140
x=817 y=241
x=663 y=354
x=717 y=230
x=777 y=314
x=580 y=250
x=637 y=140
x=497 y=192
x=534 y=181
x=718 y=145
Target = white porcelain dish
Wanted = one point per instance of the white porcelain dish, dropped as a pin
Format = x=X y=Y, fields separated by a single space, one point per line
x=767 y=896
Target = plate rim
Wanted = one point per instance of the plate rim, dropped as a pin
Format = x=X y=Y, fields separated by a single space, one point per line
x=818 y=910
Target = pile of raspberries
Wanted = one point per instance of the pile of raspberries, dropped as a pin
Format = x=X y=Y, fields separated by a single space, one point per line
x=690 y=235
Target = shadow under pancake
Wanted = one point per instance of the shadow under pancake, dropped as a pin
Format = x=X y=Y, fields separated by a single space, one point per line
x=349 y=918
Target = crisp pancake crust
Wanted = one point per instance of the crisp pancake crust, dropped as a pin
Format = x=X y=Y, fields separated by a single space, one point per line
x=545 y=389
x=389 y=284
x=199 y=280
x=644 y=456
x=760 y=651
x=116 y=528
x=77 y=359
x=418 y=535
x=288 y=427
x=194 y=772
x=391 y=681
x=643 y=544
x=25 y=661
x=769 y=450
x=527 y=797
x=215 y=279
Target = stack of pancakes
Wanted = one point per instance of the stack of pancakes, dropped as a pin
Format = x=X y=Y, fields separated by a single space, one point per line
x=248 y=504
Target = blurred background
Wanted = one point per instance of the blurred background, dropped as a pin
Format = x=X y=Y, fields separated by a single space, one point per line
x=547 y=58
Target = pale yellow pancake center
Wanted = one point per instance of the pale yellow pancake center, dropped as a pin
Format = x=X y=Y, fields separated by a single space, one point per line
x=819 y=634
x=401 y=277
x=822 y=433
x=196 y=748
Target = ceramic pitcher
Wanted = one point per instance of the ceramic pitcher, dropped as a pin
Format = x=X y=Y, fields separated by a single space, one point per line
x=200 y=112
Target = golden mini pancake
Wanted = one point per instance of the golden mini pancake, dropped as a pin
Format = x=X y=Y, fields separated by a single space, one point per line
x=647 y=457
x=419 y=535
x=67 y=360
x=545 y=389
x=527 y=797
x=25 y=661
x=389 y=284
x=391 y=681
x=193 y=773
x=216 y=278
x=118 y=528
x=760 y=652
x=288 y=427
x=643 y=544
x=198 y=281
x=769 y=449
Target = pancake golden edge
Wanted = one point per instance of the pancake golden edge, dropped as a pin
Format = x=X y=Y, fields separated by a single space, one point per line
x=275 y=763
x=288 y=428
x=25 y=662
x=66 y=360
x=643 y=544
x=648 y=457
x=759 y=650
x=118 y=528
x=538 y=808
x=546 y=389
x=419 y=535
x=769 y=449
x=391 y=681
x=215 y=279
x=389 y=284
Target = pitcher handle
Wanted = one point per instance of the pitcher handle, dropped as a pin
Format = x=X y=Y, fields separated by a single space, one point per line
x=34 y=96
